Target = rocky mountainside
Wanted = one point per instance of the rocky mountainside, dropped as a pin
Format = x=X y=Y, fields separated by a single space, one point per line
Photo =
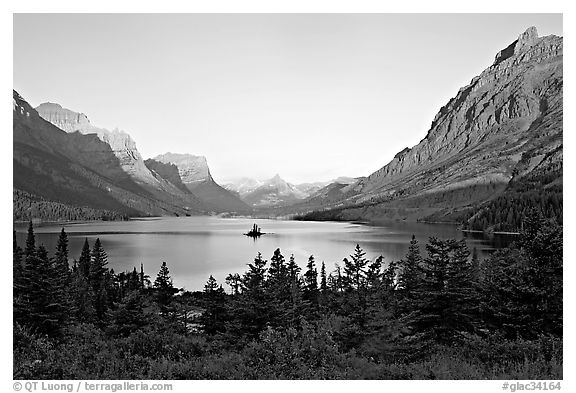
x=124 y=148
x=120 y=142
x=195 y=175
x=80 y=171
x=505 y=124
x=168 y=172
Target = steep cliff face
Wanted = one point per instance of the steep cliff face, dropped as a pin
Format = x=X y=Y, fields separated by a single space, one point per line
x=192 y=169
x=73 y=171
x=168 y=172
x=196 y=176
x=501 y=105
x=120 y=142
x=504 y=124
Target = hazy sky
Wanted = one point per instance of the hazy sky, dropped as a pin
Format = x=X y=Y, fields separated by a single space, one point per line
x=308 y=96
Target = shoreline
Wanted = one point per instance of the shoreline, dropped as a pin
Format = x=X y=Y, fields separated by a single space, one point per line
x=376 y=222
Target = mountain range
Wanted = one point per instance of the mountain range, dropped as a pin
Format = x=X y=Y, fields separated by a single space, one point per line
x=492 y=152
x=497 y=139
x=67 y=168
x=277 y=192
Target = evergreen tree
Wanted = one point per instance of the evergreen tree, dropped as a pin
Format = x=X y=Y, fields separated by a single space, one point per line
x=30 y=249
x=409 y=275
x=354 y=269
x=278 y=270
x=444 y=299
x=164 y=289
x=85 y=260
x=311 y=283
x=278 y=286
x=43 y=311
x=144 y=278
x=82 y=294
x=293 y=269
x=133 y=281
x=235 y=282
x=323 y=281
x=252 y=308
x=17 y=268
x=374 y=273
x=98 y=279
x=129 y=317
x=214 y=316
x=323 y=299
x=522 y=287
x=62 y=271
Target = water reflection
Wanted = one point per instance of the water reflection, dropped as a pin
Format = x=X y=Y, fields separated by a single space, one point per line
x=195 y=247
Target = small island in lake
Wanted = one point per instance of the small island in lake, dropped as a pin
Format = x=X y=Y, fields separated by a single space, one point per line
x=255 y=232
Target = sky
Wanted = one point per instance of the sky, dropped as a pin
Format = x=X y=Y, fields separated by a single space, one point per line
x=308 y=96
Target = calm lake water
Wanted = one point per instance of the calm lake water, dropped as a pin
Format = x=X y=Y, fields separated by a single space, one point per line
x=196 y=247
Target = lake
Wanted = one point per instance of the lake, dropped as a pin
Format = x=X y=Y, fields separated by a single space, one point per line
x=196 y=247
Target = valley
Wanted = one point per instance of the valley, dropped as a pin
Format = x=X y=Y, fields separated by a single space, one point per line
x=497 y=139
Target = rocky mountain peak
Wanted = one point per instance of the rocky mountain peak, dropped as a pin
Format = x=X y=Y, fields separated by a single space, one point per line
x=529 y=37
x=501 y=106
x=120 y=142
x=192 y=169
x=525 y=42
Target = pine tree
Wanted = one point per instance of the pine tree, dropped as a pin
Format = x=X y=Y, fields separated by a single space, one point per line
x=62 y=271
x=85 y=260
x=323 y=282
x=374 y=273
x=354 y=269
x=252 y=309
x=214 y=301
x=293 y=269
x=311 y=283
x=19 y=281
x=30 y=249
x=98 y=279
x=278 y=285
x=235 y=282
x=522 y=287
x=444 y=298
x=164 y=289
x=17 y=266
x=409 y=275
x=144 y=278
x=43 y=311
x=323 y=286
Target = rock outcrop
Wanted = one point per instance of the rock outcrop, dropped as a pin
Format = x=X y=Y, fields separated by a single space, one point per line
x=192 y=169
x=195 y=175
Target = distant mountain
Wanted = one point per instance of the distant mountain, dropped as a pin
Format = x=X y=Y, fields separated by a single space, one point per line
x=276 y=192
x=505 y=126
x=196 y=176
x=243 y=186
x=273 y=192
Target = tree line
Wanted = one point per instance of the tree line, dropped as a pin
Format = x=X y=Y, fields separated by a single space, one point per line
x=439 y=312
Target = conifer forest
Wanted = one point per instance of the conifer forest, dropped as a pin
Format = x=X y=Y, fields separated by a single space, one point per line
x=438 y=313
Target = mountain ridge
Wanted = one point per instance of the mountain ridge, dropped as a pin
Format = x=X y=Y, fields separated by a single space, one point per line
x=509 y=114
